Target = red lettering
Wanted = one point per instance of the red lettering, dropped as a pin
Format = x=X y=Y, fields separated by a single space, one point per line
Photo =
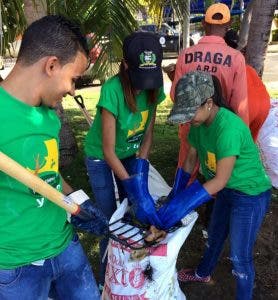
x=136 y=278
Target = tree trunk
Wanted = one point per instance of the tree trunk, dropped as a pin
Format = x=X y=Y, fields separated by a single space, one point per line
x=260 y=26
x=68 y=146
x=186 y=24
x=245 y=25
x=34 y=10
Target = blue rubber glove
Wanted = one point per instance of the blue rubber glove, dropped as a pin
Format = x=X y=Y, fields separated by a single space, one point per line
x=182 y=204
x=141 y=166
x=143 y=205
x=181 y=180
x=90 y=218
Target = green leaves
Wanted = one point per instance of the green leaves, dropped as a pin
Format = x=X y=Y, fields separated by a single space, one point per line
x=13 y=22
x=110 y=21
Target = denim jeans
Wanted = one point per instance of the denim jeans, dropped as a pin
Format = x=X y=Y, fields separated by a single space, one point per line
x=101 y=181
x=240 y=216
x=69 y=274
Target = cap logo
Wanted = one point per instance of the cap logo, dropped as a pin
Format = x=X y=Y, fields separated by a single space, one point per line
x=147 y=60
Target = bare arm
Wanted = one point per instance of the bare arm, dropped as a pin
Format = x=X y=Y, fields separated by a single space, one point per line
x=67 y=189
x=224 y=170
x=108 y=141
x=190 y=161
x=148 y=138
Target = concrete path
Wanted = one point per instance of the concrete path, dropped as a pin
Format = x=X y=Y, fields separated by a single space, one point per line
x=270 y=75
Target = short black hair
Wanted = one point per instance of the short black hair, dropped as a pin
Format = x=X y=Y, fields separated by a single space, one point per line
x=231 y=38
x=52 y=36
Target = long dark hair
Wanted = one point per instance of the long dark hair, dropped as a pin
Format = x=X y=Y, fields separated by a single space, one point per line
x=218 y=96
x=129 y=91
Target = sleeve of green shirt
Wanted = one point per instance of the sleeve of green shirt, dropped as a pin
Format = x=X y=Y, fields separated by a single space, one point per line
x=108 y=99
x=161 y=95
x=228 y=144
x=192 y=137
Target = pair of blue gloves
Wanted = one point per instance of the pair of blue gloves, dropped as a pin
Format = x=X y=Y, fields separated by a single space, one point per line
x=180 y=202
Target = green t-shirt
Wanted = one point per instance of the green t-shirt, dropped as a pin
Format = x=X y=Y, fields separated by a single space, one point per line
x=31 y=227
x=130 y=127
x=228 y=136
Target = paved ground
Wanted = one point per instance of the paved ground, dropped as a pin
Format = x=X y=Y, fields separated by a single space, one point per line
x=270 y=75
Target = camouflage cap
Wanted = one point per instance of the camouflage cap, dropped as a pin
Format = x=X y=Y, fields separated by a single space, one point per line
x=192 y=90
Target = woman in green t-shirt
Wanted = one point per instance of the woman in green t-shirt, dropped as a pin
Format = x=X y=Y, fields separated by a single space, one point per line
x=233 y=170
x=123 y=125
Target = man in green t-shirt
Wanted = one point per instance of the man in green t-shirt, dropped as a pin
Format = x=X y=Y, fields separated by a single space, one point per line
x=38 y=247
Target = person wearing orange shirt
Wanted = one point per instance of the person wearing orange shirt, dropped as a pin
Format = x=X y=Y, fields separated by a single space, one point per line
x=258 y=97
x=213 y=55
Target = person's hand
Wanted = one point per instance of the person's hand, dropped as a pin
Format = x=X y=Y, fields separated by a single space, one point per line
x=142 y=202
x=90 y=218
x=181 y=180
x=155 y=235
x=182 y=204
x=170 y=71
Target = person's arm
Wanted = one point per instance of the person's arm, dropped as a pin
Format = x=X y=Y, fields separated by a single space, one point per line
x=224 y=170
x=67 y=189
x=170 y=71
x=148 y=138
x=191 y=160
x=108 y=141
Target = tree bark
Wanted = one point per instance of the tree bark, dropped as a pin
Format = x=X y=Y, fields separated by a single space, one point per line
x=34 y=10
x=186 y=24
x=260 y=26
x=245 y=25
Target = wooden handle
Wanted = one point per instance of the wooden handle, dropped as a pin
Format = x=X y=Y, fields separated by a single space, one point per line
x=16 y=171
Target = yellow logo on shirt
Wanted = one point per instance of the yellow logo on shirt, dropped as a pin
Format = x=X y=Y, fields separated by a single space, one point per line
x=49 y=162
x=141 y=127
x=211 y=162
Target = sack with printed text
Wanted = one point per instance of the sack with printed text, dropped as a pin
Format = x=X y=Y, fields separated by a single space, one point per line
x=148 y=273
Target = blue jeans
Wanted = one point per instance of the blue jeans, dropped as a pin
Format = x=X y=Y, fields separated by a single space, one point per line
x=240 y=216
x=101 y=181
x=69 y=273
